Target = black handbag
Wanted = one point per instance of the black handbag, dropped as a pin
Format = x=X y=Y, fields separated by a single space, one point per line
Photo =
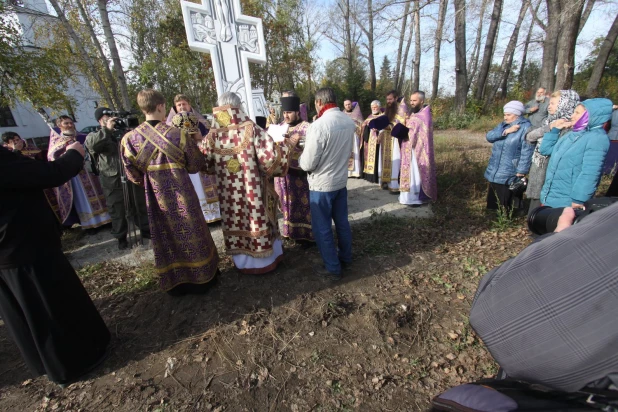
x=518 y=186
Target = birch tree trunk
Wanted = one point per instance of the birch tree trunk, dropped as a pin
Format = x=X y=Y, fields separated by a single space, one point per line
x=489 y=50
x=599 y=64
x=569 y=29
x=345 y=9
x=507 y=59
x=370 y=43
x=402 y=35
x=404 y=65
x=552 y=31
x=510 y=49
x=113 y=50
x=102 y=57
x=476 y=51
x=585 y=15
x=435 y=80
x=369 y=33
x=524 y=55
x=461 y=75
x=82 y=50
x=417 y=45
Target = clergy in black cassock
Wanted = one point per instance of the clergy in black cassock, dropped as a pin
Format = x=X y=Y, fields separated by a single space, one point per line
x=44 y=306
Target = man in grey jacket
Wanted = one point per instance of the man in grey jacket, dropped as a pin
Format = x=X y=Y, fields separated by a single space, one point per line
x=536 y=109
x=104 y=145
x=328 y=146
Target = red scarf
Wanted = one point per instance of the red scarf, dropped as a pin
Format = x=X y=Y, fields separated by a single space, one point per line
x=325 y=108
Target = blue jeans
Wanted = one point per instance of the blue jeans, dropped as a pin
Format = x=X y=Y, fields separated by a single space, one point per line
x=326 y=207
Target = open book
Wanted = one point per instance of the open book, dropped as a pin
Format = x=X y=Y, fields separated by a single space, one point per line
x=277 y=132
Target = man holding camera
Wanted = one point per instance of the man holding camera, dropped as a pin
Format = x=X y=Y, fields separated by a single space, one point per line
x=103 y=146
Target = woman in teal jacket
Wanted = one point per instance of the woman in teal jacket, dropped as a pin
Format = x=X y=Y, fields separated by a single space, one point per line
x=577 y=158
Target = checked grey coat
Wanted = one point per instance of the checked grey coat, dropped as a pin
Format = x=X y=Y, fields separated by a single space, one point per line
x=550 y=315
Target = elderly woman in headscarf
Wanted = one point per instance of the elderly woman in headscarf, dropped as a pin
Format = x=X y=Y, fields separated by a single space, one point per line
x=577 y=158
x=510 y=157
x=561 y=106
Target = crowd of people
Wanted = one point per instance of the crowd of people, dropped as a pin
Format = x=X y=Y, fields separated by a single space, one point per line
x=172 y=175
x=176 y=172
x=561 y=147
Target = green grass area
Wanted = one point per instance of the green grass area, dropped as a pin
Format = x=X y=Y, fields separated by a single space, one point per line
x=112 y=278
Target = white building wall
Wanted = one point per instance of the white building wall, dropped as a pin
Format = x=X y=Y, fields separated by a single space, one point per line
x=30 y=124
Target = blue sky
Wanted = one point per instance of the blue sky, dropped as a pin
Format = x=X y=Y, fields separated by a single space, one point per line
x=597 y=25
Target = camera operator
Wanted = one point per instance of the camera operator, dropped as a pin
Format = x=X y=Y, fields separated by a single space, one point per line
x=103 y=145
x=550 y=314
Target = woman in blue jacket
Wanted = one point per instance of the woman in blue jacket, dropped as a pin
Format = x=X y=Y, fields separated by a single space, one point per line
x=510 y=157
x=577 y=158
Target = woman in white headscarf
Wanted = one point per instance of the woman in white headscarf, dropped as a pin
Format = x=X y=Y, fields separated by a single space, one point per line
x=510 y=157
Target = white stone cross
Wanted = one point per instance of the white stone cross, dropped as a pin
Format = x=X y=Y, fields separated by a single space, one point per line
x=232 y=40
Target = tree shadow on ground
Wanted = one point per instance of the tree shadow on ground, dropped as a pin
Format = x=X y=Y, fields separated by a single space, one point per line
x=145 y=322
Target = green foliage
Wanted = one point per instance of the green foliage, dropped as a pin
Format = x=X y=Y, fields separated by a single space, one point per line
x=608 y=87
x=445 y=117
x=349 y=83
x=504 y=219
x=611 y=67
x=531 y=74
x=162 y=56
x=289 y=48
x=385 y=82
x=27 y=73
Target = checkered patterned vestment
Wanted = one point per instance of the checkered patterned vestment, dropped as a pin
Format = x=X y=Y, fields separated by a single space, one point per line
x=245 y=160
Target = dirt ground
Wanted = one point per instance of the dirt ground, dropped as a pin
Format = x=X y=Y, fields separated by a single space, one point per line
x=364 y=199
x=388 y=337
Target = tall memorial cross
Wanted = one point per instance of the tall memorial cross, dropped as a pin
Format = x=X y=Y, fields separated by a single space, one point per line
x=232 y=40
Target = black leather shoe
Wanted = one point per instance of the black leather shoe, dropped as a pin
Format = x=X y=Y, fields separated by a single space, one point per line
x=123 y=244
x=322 y=272
x=87 y=374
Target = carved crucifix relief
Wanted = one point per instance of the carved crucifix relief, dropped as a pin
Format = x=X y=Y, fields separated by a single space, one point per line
x=232 y=39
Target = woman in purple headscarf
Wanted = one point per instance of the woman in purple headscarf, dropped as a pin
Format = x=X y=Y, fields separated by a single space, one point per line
x=577 y=158
x=561 y=106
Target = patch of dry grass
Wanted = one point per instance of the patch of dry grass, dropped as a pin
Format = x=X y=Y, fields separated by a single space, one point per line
x=606 y=180
x=71 y=238
x=389 y=337
x=107 y=279
x=484 y=124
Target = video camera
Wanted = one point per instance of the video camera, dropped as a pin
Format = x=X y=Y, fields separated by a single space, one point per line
x=544 y=219
x=124 y=119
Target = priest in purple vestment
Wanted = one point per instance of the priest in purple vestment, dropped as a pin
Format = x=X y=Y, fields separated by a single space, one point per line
x=352 y=110
x=371 y=144
x=160 y=157
x=418 y=182
x=293 y=188
x=82 y=195
x=205 y=185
